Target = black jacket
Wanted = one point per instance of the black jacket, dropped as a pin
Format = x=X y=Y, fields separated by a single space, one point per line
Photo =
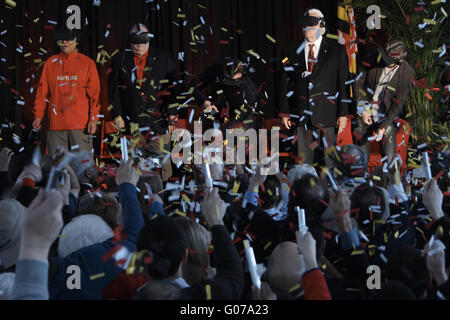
x=130 y=101
x=392 y=100
x=329 y=76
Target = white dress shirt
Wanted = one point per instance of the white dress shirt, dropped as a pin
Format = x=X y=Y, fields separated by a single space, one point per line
x=385 y=78
x=317 y=44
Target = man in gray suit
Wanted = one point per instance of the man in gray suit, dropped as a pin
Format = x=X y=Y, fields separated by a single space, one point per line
x=381 y=93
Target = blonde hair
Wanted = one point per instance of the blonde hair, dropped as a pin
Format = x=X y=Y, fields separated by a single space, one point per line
x=197 y=263
x=105 y=206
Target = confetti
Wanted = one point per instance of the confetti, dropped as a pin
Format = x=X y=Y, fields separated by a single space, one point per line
x=96 y=276
x=10 y=3
x=268 y=36
x=208 y=292
x=251 y=261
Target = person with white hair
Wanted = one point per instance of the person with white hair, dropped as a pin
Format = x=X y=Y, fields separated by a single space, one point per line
x=312 y=88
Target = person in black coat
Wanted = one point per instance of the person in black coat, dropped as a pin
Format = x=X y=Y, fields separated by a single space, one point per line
x=142 y=83
x=381 y=93
x=233 y=95
x=313 y=89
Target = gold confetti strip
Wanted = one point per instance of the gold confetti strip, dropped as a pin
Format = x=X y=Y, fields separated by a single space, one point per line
x=10 y=3
x=297 y=286
x=96 y=276
x=332 y=36
x=268 y=36
x=181 y=213
x=208 y=291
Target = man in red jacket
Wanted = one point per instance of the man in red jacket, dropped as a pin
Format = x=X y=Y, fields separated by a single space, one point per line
x=67 y=95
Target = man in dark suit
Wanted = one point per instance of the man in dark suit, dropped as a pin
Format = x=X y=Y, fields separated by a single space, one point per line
x=381 y=93
x=313 y=89
x=142 y=83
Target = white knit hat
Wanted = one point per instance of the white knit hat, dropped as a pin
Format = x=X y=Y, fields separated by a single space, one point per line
x=81 y=232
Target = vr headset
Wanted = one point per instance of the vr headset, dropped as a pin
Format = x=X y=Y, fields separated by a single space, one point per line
x=139 y=36
x=233 y=67
x=388 y=59
x=65 y=34
x=308 y=21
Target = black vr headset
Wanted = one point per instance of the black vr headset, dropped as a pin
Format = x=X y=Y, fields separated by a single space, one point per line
x=65 y=33
x=308 y=21
x=140 y=36
x=387 y=59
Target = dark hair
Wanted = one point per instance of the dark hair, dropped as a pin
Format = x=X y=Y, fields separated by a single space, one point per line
x=363 y=197
x=158 y=290
x=408 y=266
x=166 y=243
x=16 y=166
x=310 y=194
x=351 y=160
x=392 y=290
x=106 y=206
x=271 y=195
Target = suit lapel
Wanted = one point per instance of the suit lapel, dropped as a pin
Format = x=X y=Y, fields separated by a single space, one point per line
x=149 y=65
x=323 y=54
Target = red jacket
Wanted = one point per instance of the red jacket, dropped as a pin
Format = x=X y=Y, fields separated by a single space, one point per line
x=315 y=286
x=71 y=86
x=124 y=286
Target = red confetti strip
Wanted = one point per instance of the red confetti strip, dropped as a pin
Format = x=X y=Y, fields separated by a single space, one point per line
x=236 y=240
x=109 y=254
x=428 y=226
x=439 y=175
x=357 y=135
x=191 y=251
x=341 y=214
x=313 y=145
x=148 y=260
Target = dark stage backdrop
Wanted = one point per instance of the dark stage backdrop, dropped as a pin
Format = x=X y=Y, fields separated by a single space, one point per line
x=204 y=30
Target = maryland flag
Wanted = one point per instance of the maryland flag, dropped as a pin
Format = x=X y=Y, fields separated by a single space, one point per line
x=347 y=32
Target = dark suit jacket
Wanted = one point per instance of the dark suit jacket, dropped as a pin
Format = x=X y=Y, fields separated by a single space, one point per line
x=128 y=99
x=392 y=101
x=329 y=76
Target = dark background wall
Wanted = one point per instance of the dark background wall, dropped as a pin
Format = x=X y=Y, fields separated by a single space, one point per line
x=231 y=27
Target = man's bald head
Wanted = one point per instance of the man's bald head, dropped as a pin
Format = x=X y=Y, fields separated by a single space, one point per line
x=285 y=267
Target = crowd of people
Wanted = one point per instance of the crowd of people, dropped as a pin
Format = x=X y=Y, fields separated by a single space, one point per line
x=117 y=232
x=145 y=228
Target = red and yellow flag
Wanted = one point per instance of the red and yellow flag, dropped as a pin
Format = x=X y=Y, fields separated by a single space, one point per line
x=347 y=32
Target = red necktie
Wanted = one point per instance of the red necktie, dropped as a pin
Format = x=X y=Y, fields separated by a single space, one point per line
x=311 y=58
